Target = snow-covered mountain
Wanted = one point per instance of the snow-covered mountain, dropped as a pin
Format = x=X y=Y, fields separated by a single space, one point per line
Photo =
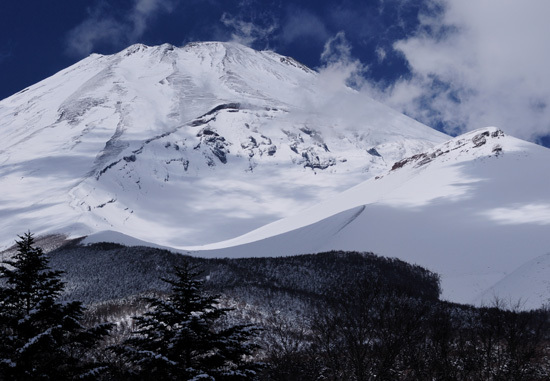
x=475 y=209
x=187 y=146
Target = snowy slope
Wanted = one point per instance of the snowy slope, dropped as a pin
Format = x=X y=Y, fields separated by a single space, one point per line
x=526 y=287
x=474 y=209
x=187 y=146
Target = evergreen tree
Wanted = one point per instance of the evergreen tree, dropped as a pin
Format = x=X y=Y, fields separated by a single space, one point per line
x=178 y=340
x=40 y=338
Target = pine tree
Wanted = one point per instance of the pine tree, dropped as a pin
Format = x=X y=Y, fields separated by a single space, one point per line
x=178 y=340
x=40 y=338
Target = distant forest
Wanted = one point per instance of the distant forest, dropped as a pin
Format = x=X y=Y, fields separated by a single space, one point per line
x=142 y=313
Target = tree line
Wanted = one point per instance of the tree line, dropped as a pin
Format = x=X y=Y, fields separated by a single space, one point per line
x=385 y=323
x=372 y=332
x=178 y=338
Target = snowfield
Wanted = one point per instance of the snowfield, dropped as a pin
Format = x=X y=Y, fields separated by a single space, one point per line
x=187 y=146
x=473 y=209
x=218 y=150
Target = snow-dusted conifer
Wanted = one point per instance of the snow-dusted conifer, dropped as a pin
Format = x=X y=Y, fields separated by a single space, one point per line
x=39 y=337
x=178 y=340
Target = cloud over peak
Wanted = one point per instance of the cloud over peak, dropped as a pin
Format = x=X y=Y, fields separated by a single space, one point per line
x=479 y=63
x=117 y=31
x=248 y=32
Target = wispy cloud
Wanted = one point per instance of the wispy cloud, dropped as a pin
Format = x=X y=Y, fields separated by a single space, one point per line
x=248 y=32
x=144 y=10
x=82 y=39
x=103 y=28
x=300 y=23
x=334 y=100
x=264 y=27
x=339 y=64
x=478 y=63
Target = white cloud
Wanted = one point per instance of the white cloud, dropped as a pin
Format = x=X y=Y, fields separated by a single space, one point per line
x=339 y=63
x=479 y=63
x=82 y=39
x=333 y=97
x=380 y=54
x=247 y=32
x=143 y=11
x=336 y=49
x=100 y=27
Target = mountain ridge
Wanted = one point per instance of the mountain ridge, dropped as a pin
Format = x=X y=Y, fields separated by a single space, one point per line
x=113 y=142
x=473 y=209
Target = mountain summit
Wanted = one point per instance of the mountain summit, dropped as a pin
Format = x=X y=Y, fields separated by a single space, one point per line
x=187 y=146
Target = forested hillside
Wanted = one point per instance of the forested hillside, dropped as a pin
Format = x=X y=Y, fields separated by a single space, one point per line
x=336 y=315
x=106 y=271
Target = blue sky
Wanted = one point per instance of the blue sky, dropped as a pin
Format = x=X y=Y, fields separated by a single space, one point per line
x=456 y=65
